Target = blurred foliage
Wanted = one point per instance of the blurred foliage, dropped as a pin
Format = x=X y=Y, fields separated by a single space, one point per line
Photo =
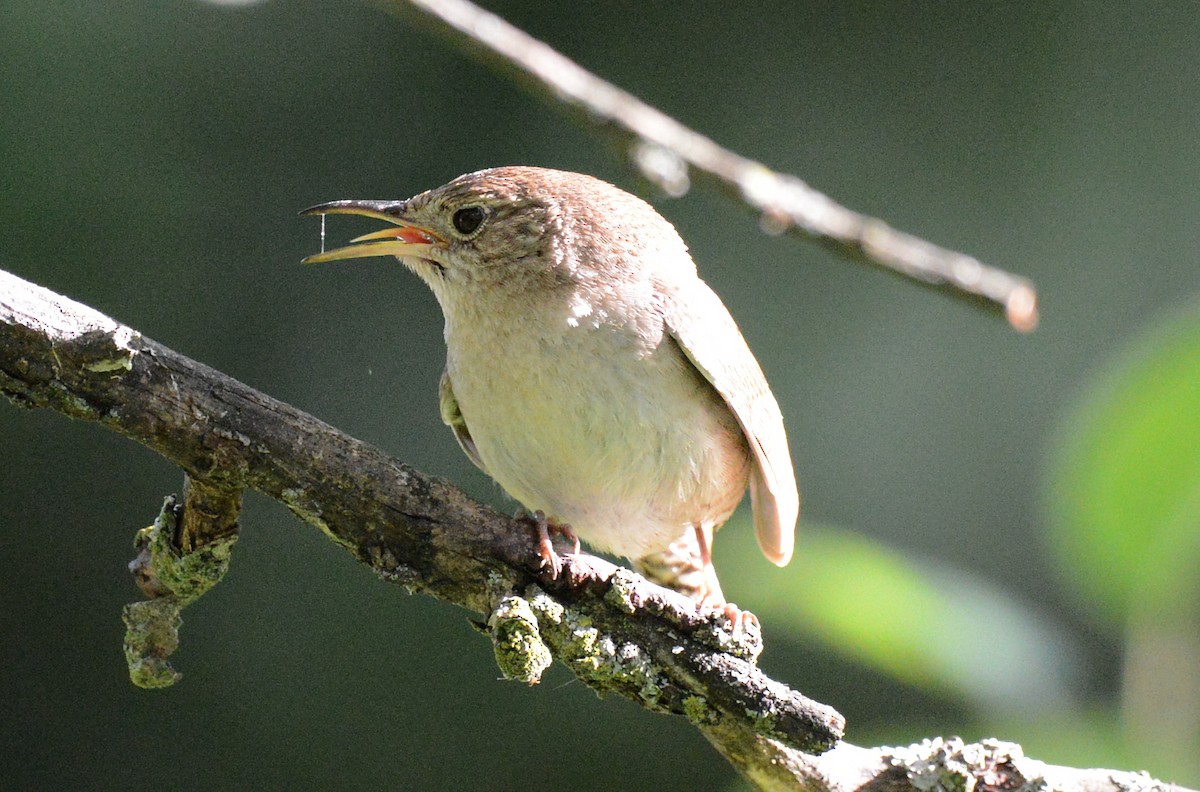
x=1125 y=496
x=943 y=630
x=1124 y=502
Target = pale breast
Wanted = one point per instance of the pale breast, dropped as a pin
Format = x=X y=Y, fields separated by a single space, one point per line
x=601 y=423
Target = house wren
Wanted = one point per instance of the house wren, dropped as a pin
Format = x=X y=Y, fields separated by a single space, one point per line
x=589 y=370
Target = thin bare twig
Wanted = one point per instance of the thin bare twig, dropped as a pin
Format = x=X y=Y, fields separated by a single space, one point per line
x=664 y=149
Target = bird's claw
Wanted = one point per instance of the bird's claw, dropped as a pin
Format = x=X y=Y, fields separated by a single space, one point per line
x=741 y=621
x=545 y=528
x=565 y=531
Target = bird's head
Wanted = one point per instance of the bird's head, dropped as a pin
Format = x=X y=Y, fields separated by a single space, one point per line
x=512 y=227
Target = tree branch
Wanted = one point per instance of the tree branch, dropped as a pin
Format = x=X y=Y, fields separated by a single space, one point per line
x=614 y=630
x=663 y=150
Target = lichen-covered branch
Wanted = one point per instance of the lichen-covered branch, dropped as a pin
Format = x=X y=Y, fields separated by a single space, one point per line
x=618 y=632
x=614 y=630
x=666 y=151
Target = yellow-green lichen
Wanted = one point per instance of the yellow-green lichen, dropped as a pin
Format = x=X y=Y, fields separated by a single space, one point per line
x=548 y=609
x=622 y=584
x=602 y=662
x=185 y=576
x=121 y=363
x=172 y=580
x=520 y=651
x=697 y=710
x=151 y=635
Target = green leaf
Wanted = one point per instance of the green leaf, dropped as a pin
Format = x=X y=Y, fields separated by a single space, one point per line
x=922 y=623
x=1124 y=497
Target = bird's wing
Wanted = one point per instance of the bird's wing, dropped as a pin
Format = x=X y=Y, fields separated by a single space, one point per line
x=703 y=328
x=452 y=416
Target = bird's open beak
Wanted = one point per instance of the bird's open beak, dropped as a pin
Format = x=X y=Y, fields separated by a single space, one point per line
x=406 y=239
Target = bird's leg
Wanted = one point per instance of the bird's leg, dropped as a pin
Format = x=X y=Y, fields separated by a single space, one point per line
x=710 y=596
x=545 y=529
x=565 y=532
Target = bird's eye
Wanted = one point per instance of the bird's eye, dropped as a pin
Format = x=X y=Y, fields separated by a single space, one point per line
x=468 y=219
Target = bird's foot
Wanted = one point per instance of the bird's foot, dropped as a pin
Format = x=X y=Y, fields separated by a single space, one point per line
x=742 y=621
x=545 y=529
x=709 y=597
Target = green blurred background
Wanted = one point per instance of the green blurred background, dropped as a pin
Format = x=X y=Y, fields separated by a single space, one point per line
x=1001 y=532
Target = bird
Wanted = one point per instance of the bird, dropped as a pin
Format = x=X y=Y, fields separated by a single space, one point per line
x=590 y=371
